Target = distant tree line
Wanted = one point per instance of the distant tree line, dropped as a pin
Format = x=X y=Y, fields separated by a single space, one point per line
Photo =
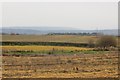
x=67 y=33
x=46 y=44
x=88 y=34
x=10 y=33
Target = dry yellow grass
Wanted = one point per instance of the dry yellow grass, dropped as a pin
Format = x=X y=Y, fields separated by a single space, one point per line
x=49 y=38
x=61 y=66
x=42 y=48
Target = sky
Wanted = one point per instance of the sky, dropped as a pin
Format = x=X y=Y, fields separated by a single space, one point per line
x=78 y=15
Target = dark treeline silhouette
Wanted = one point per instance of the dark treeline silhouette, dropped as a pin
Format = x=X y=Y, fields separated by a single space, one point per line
x=88 y=34
x=68 y=33
x=46 y=44
x=10 y=33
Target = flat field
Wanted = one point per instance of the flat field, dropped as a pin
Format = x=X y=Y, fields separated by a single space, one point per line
x=45 y=61
x=42 y=48
x=62 y=66
x=48 y=38
x=51 y=38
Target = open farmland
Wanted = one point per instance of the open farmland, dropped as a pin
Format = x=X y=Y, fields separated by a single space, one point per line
x=48 y=38
x=42 y=48
x=23 y=57
x=62 y=66
x=51 y=38
x=67 y=65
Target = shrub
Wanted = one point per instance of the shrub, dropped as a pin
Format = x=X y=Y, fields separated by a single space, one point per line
x=105 y=42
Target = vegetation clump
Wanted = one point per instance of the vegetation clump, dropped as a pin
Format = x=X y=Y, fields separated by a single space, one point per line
x=106 y=42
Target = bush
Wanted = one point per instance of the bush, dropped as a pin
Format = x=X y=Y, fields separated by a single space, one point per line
x=106 y=42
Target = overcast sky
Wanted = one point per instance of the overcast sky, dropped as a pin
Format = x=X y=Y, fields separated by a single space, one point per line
x=80 y=15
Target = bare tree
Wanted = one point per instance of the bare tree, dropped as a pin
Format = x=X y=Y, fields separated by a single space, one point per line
x=106 y=42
